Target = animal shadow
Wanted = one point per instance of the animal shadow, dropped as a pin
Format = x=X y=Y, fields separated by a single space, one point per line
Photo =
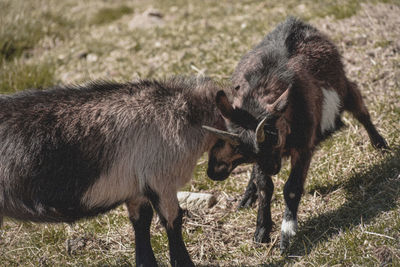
x=368 y=194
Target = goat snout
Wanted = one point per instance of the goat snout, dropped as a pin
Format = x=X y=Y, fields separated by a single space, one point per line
x=219 y=171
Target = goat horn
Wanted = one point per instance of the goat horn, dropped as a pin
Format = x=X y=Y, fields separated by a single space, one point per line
x=260 y=131
x=281 y=103
x=224 y=135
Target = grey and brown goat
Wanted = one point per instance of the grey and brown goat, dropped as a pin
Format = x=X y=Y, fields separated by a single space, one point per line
x=73 y=152
x=291 y=92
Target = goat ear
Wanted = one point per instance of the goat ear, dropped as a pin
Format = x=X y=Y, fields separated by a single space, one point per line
x=260 y=135
x=280 y=105
x=223 y=104
x=231 y=138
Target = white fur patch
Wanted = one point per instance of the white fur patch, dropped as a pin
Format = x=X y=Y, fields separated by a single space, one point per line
x=289 y=227
x=330 y=109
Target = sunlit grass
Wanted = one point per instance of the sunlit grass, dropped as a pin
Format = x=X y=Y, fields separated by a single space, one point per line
x=17 y=76
x=107 y=15
x=351 y=191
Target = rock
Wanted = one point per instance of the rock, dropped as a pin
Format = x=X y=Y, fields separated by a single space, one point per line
x=91 y=57
x=301 y=8
x=191 y=200
x=149 y=19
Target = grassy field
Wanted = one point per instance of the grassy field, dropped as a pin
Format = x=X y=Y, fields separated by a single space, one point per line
x=350 y=212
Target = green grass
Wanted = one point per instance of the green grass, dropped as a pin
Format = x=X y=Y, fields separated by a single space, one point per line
x=108 y=14
x=382 y=43
x=17 y=76
x=25 y=25
x=339 y=9
x=13 y=45
x=350 y=210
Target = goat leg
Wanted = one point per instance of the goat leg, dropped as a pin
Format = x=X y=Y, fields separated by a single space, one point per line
x=265 y=188
x=179 y=255
x=292 y=192
x=250 y=195
x=141 y=223
x=355 y=104
x=165 y=202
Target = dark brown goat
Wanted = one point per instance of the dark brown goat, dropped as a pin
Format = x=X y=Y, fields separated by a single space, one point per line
x=291 y=91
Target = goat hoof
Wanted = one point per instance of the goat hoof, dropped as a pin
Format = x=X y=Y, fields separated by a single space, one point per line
x=245 y=204
x=262 y=235
x=380 y=143
x=284 y=244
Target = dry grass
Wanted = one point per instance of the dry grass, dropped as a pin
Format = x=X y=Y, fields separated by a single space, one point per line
x=349 y=214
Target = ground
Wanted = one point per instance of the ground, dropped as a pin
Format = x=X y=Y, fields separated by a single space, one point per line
x=350 y=211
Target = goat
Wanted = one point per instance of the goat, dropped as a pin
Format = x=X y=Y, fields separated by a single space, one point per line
x=291 y=92
x=72 y=152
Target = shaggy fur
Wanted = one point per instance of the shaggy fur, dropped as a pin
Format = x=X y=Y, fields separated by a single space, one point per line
x=292 y=87
x=77 y=151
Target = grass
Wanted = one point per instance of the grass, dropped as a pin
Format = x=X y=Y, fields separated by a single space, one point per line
x=17 y=76
x=23 y=26
x=339 y=9
x=107 y=15
x=367 y=197
x=14 y=45
x=349 y=214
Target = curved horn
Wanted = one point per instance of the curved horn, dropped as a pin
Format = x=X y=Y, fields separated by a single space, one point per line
x=280 y=104
x=224 y=135
x=260 y=131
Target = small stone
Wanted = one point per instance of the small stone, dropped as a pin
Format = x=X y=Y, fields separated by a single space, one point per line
x=173 y=9
x=148 y=19
x=91 y=57
x=301 y=8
